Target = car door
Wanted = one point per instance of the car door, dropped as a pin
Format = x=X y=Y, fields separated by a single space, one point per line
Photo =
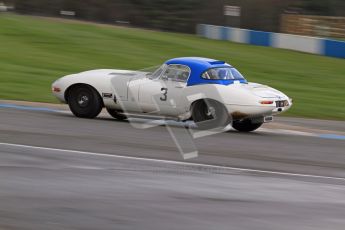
x=163 y=94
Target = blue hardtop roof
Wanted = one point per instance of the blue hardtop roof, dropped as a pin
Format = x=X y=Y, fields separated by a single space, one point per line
x=198 y=62
x=198 y=66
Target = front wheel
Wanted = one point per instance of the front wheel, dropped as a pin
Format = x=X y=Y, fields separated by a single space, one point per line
x=84 y=101
x=210 y=114
x=246 y=125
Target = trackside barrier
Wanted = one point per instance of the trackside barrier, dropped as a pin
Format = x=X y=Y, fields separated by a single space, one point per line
x=314 y=45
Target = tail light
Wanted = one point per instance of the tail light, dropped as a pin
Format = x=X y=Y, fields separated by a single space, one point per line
x=266 y=102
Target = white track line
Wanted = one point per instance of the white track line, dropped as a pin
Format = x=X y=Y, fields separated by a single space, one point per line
x=176 y=162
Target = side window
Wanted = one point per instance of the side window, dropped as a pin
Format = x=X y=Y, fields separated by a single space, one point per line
x=178 y=73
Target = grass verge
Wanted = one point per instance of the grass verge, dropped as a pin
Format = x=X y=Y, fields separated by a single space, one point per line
x=36 y=51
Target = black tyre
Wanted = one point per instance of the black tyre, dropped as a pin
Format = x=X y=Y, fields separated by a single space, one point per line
x=115 y=114
x=246 y=125
x=84 y=101
x=210 y=114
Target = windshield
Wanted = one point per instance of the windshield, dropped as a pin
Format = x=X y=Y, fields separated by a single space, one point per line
x=155 y=72
x=223 y=73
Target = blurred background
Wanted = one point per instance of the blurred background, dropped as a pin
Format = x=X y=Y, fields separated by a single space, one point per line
x=42 y=40
x=182 y=16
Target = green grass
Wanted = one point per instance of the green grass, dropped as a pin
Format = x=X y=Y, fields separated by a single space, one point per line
x=35 y=51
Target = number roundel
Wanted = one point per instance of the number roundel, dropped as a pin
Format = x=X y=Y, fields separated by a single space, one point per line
x=165 y=94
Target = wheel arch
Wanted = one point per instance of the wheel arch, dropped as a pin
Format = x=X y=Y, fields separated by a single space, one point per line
x=202 y=99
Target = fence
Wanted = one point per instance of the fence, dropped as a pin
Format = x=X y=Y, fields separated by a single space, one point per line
x=313 y=25
x=314 y=45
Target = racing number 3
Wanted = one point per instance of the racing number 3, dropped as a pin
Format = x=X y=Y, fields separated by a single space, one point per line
x=165 y=94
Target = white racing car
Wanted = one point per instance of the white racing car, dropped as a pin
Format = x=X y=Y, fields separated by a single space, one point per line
x=210 y=92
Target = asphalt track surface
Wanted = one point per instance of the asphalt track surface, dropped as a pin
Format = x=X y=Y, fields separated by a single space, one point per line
x=61 y=172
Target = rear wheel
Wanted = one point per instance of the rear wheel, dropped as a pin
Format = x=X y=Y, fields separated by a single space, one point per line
x=210 y=114
x=84 y=101
x=115 y=114
x=246 y=125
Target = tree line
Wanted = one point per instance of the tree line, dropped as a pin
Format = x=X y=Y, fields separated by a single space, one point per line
x=181 y=15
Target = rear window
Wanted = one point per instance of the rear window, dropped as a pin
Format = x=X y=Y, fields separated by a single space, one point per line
x=225 y=73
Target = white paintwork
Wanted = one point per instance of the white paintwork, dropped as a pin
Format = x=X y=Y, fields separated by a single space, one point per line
x=239 y=35
x=136 y=93
x=298 y=43
x=213 y=32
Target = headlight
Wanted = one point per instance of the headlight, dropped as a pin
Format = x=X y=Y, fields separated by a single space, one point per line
x=56 y=89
